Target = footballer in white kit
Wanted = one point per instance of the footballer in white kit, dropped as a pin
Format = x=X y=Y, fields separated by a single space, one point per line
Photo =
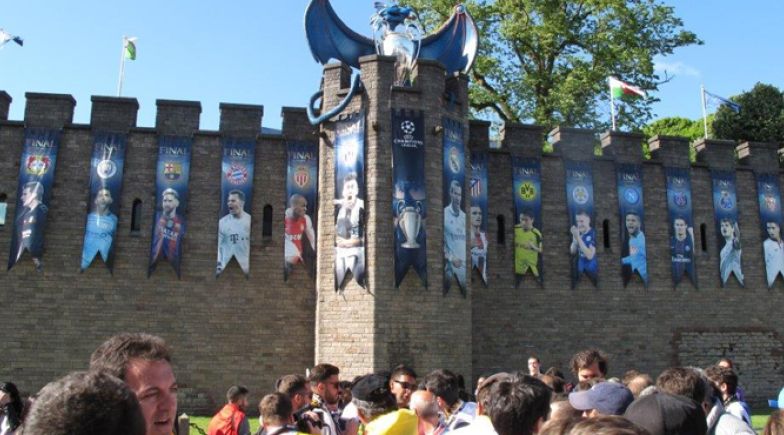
x=234 y=234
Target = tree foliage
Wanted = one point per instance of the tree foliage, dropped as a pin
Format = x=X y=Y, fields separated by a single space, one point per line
x=547 y=61
x=761 y=117
x=677 y=126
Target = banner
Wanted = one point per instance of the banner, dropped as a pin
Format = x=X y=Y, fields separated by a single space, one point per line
x=106 y=176
x=301 y=203
x=454 y=215
x=679 y=206
x=527 y=188
x=350 y=200
x=579 y=202
x=725 y=208
x=478 y=235
x=36 y=176
x=632 y=219
x=409 y=202
x=171 y=187
x=239 y=157
x=769 y=196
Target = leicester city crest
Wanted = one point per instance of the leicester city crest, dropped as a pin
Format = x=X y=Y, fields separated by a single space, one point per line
x=38 y=164
x=105 y=169
x=580 y=195
x=172 y=170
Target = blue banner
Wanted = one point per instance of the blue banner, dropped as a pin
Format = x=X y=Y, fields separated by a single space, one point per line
x=350 y=200
x=234 y=223
x=171 y=193
x=769 y=196
x=478 y=235
x=301 y=203
x=679 y=206
x=527 y=188
x=725 y=207
x=36 y=176
x=409 y=201
x=454 y=213
x=579 y=202
x=632 y=219
x=106 y=176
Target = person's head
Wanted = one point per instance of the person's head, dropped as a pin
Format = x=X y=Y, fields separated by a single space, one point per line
x=455 y=194
x=297 y=388
x=424 y=404
x=679 y=225
x=85 y=403
x=664 y=413
x=632 y=223
x=298 y=205
x=238 y=395
x=372 y=397
x=560 y=408
x=558 y=385
x=9 y=395
x=350 y=190
x=443 y=384
x=682 y=381
x=639 y=383
x=534 y=366
x=32 y=193
x=103 y=199
x=518 y=405
x=236 y=202
x=724 y=379
x=170 y=200
x=324 y=381
x=402 y=383
x=726 y=228
x=143 y=361
x=484 y=387
x=344 y=391
x=275 y=410
x=775 y=424
x=583 y=222
x=604 y=398
x=607 y=425
x=774 y=232
x=476 y=217
x=589 y=364
x=526 y=220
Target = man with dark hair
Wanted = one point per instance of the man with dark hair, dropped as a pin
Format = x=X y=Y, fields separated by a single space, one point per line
x=725 y=380
x=607 y=425
x=682 y=248
x=637 y=382
x=29 y=222
x=143 y=361
x=583 y=246
x=518 y=405
x=85 y=403
x=100 y=230
x=589 y=364
x=234 y=233
x=168 y=229
x=377 y=407
x=456 y=413
x=298 y=390
x=534 y=366
x=276 y=415
x=324 y=381
x=231 y=419
x=402 y=383
x=682 y=382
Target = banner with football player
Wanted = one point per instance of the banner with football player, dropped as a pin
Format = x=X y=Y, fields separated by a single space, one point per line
x=454 y=213
x=234 y=223
x=478 y=216
x=36 y=176
x=634 y=259
x=527 y=190
x=350 y=200
x=409 y=201
x=171 y=198
x=725 y=208
x=103 y=203
x=681 y=223
x=769 y=196
x=300 y=216
x=579 y=201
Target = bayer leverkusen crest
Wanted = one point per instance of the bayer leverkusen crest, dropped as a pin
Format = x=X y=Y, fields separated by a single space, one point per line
x=172 y=170
x=38 y=164
x=302 y=176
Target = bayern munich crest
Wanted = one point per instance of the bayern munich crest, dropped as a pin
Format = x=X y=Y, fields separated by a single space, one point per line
x=580 y=195
x=38 y=164
x=105 y=169
x=237 y=174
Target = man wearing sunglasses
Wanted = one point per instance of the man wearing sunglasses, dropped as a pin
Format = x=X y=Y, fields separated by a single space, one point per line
x=402 y=383
x=324 y=382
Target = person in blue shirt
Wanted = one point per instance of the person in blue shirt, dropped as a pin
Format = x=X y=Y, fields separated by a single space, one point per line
x=584 y=247
x=636 y=258
x=101 y=228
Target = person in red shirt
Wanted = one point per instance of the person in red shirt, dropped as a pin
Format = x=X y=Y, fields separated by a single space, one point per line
x=231 y=419
x=298 y=224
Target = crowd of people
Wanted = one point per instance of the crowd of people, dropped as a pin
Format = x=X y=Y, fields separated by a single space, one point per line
x=130 y=389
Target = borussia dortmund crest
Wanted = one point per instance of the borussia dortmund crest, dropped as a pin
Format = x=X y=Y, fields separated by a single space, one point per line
x=527 y=191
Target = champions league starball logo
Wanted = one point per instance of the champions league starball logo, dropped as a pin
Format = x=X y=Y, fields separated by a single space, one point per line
x=580 y=195
x=408 y=128
x=38 y=164
x=105 y=169
x=237 y=174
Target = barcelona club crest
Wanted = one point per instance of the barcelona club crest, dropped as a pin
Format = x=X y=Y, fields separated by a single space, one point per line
x=172 y=170
x=302 y=176
x=106 y=169
x=38 y=164
x=237 y=174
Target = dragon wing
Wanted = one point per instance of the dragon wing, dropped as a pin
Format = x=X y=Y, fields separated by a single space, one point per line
x=330 y=38
x=455 y=44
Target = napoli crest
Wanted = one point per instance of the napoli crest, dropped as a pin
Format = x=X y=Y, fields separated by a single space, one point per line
x=105 y=169
x=38 y=164
x=527 y=191
x=580 y=195
x=725 y=200
x=301 y=176
x=680 y=199
x=172 y=170
x=631 y=196
x=454 y=160
x=237 y=174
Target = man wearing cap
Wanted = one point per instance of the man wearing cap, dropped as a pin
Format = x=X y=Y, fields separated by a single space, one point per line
x=604 y=398
x=377 y=408
x=779 y=403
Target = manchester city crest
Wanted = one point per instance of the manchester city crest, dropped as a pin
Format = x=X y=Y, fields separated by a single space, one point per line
x=105 y=169
x=38 y=164
x=580 y=195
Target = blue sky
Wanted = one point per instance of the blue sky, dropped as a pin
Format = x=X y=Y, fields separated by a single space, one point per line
x=254 y=52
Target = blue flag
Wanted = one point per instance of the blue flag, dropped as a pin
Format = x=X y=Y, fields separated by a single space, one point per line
x=721 y=101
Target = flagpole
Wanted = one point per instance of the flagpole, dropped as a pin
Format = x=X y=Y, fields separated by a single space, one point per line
x=704 y=110
x=122 y=67
x=612 y=103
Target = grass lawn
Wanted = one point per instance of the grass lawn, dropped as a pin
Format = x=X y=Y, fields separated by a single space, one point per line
x=758 y=419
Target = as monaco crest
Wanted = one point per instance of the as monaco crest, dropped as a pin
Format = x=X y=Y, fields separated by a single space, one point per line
x=38 y=164
x=302 y=176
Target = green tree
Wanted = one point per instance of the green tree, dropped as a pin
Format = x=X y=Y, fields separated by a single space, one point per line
x=547 y=61
x=761 y=117
x=677 y=126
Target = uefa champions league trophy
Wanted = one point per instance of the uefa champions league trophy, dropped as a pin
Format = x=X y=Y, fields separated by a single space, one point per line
x=397 y=32
x=410 y=221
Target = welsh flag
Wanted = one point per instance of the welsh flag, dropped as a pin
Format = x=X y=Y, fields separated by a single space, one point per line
x=620 y=89
x=130 y=48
